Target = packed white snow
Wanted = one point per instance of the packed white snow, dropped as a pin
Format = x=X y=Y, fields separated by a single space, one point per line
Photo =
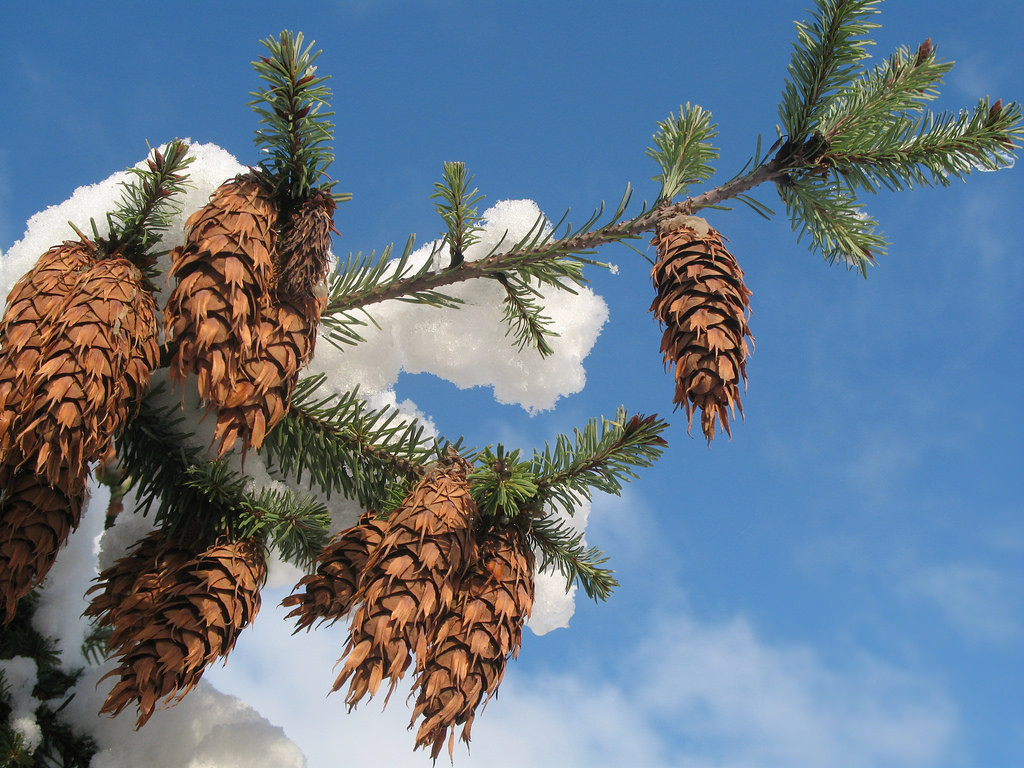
x=469 y=347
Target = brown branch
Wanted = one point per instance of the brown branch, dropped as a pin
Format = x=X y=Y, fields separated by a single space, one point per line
x=496 y=263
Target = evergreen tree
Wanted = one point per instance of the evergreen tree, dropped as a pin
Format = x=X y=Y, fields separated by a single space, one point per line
x=438 y=573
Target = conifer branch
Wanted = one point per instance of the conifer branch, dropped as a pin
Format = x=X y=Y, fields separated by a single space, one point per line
x=293 y=108
x=523 y=315
x=684 y=151
x=147 y=205
x=344 y=446
x=458 y=211
x=502 y=485
x=826 y=54
x=563 y=549
x=297 y=527
x=602 y=458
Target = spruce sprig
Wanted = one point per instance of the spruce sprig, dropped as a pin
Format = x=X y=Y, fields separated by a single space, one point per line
x=826 y=56
x=457 y=209
x=342 y=445
x=901 y=84
x=524 y=316
x=294 y=111
x=564 y=549
x=929 y=149
x=148 y=206
x=503 y=484
x=683 y=150
x=601 y=456
x=296 y=526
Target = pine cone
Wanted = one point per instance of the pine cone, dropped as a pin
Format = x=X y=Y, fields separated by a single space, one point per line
x=301 y=262
x=35 y=522
x=703 y=303
x=34 y=305
x=466 y=660
x=196 y=618
x=224 y=272
x=129 y=591
x=410 y=580
x=94 y=367
x=284 y=338
x=328 y=594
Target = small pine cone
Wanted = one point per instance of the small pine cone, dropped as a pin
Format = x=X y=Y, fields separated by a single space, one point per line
x=284 y=338
x=302 y=250
x=35 y=522
x=196 y=619
x=328 y=594
x=410 y=580
x=129 y=591
x=224 y=273
x=94 y=369
x=703 y=304
x=35 y=304
x=467 y=658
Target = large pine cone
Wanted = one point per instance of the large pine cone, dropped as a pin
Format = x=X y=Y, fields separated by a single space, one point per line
x=195 y=620
x=128 y=592
x=410 y=580
x=35 y=522
x=328 y=594
x=224 y=274
x=703 y=303
x=94 y=366
x=34 y=305
x=284 y=338
x=473 y=641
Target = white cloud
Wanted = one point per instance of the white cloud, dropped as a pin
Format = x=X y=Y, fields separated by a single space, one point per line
x=982 y=603
x=693 y=694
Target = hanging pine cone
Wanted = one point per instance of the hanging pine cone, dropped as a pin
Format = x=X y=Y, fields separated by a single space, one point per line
x=328 y=594
x=284 y=338
x=300 y=264
x=94 y=366
x=224 y=273
x=473 y=641
x=35 y=522
x=411 y=579
x=703 y=304
x=196 y=619
x=35 y=303
x=128 y=592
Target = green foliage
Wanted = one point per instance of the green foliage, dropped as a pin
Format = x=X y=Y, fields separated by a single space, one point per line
x=293 y=108
x=456 y=207
x=601 y=457
x=564 y=549
x=503 y=484
x=344 y=446
x=148 y=206
x=826 y=55
x=684 y=152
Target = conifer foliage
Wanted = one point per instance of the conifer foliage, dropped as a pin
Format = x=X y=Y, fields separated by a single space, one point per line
x=437 y=577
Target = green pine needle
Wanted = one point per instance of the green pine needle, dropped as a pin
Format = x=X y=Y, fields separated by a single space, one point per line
x=826 y=55
x=294 y=111
x=684 y=151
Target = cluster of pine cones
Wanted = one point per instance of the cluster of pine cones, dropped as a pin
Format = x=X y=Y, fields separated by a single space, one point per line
x=78 y=343
x=432 y=584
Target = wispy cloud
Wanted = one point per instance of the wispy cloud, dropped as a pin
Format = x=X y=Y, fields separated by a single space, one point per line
x=982 y=603
x=694 y=694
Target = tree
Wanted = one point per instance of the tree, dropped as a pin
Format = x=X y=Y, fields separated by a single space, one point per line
x=243 y=318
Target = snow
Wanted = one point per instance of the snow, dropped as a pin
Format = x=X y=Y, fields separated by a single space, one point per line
x=20 y=677
x=468 y=347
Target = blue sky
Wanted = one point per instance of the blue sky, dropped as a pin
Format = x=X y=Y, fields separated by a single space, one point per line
x=842 y=583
